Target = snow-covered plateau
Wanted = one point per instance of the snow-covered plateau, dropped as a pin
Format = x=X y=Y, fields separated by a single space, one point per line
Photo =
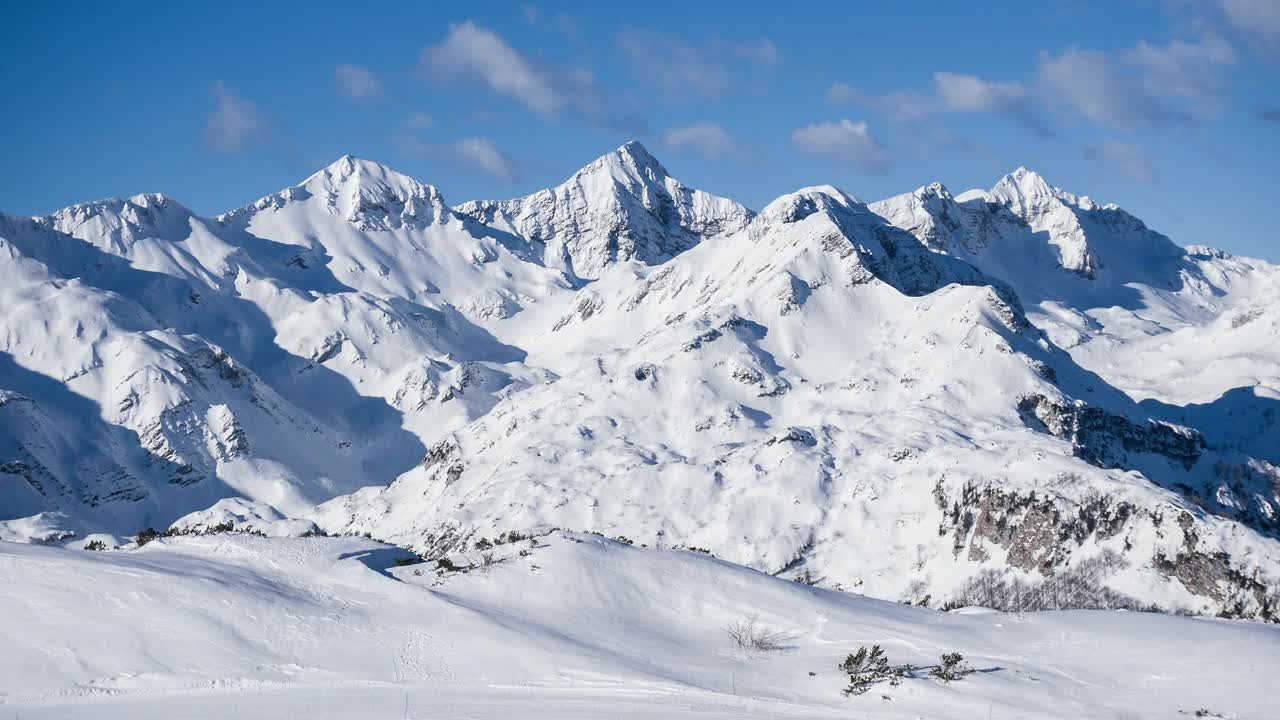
x=814 y=415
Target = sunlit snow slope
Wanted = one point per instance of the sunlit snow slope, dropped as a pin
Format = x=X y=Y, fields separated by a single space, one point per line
x=562 y=626
x=893 y=398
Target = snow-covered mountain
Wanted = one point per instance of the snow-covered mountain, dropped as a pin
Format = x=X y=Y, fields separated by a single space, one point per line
x=624 y=206
x=1103 y=285
x=892 y=399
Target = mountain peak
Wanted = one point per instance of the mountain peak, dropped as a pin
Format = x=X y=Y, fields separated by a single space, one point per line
x=1027 y=193
x=622 y=206
x=350 y=169
x=629 y=162
x=1027 y=182
x=933 y=189
x=366 y=193
x=796 y=206
x=123 y=220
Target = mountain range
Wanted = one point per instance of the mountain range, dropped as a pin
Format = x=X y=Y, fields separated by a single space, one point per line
x=891 y=398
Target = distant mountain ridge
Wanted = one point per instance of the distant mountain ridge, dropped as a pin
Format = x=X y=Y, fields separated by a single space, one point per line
x=1003 y=380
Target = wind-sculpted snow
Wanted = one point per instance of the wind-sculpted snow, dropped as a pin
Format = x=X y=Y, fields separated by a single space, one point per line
x=563 y=625
x=894 y=399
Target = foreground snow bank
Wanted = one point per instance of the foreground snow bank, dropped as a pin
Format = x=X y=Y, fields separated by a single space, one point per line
x=565 y=625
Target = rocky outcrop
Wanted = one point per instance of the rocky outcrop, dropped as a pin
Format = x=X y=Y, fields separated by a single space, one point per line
x=1105 y=439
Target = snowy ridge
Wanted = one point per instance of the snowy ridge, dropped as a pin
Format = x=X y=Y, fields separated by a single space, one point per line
x=998 y=381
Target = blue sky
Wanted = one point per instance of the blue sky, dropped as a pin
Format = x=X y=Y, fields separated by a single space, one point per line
x=1168 y=108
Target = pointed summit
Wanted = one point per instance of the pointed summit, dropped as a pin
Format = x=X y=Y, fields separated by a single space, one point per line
x=370 y=178
x=632 y=158
x=622 y=206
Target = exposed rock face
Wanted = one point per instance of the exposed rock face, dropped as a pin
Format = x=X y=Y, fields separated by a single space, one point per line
x=1104 y=439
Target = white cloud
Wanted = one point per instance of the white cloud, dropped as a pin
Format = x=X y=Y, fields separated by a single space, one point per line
x=1184 y=70
x=706 y=69
x=951 y=92
x=1126 y=158
x=1144 y=86
x=1087 y=82
x=235 y=122
x=481 y=154
x=475 y=55
x=1148 y=85
x=561 y=22
x=707 y=139
x=840 y=93
x=357 y=83
x=966 y=93
x=419 y=120
x=846 y=141
x=1257 y=17
x=472 y=53
x=762 y=52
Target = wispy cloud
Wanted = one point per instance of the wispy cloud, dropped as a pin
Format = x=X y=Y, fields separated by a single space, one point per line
x=1260 y=18
x=845 y=141
x=235 y=121
x=707 y=139
x=472 y=53
x=705 y=69
x=950 y=93
x=419 y=120
x=560 y=22
x=357 y=83
x=1128 y=159
x=1147 y=85
x=482 y=155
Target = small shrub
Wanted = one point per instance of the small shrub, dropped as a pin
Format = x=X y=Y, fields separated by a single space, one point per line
x=444 y=564
x=95 y=545
x=692 y=548
x=867 y=668
x=623 y=539
x=146 y=536
x=750 y=636
x=951 y=668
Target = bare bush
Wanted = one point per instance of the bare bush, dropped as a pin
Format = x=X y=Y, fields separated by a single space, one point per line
x=1079 y=588
x=750 y=636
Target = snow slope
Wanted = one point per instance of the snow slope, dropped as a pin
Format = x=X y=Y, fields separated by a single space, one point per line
x=564 y=626
x=821 y=380
x=625 y=354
